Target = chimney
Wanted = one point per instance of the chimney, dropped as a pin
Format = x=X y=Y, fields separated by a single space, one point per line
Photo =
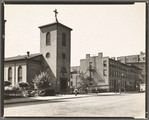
x=113 y=58
x=100 y=54
x=141 y=53
x=87 y=56
x=28 y=53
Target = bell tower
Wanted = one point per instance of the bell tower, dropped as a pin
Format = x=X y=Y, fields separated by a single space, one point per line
x=55 y=45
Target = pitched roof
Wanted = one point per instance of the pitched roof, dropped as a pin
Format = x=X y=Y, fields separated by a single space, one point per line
x=21 y=57
x=55 y=23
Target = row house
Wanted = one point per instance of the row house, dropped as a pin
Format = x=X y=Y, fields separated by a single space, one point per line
x=108 y=74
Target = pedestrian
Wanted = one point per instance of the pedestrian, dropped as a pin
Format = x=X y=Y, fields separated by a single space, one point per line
x=124 y=90
x=96 y=90
x=115 y=90
x=76 y=91
x=25 y=94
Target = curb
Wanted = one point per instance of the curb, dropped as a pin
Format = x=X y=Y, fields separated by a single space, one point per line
x=37 y=100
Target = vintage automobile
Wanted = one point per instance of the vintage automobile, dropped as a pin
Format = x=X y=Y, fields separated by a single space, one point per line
x=142 y=87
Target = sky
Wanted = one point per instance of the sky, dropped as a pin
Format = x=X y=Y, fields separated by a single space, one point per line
x=114 y=30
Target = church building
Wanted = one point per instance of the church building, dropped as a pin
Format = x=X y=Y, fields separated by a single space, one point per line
x=54 y=58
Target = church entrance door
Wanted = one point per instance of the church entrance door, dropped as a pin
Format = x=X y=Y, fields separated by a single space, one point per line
x=63 y=84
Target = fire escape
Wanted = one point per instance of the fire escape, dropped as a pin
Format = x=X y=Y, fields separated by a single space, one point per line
x=94 y=76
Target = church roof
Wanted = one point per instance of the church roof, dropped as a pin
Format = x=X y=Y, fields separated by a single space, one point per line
x=21 y=57
x=55 y=23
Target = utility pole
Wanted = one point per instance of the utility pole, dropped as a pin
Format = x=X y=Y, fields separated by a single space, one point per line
x=76 y=80
x=120 y=84
x=90 y=70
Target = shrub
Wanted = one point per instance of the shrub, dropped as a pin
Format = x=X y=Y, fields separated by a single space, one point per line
x=43 y=81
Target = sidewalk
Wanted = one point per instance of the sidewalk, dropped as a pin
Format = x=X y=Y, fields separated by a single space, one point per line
x=46 y=98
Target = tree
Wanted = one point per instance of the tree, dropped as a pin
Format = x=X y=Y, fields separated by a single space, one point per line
x=84 y=82
x=43 y=81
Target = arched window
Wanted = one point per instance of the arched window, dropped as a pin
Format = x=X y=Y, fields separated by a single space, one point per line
x=63 y=70
x=63 y=39
x=19 y=74
x=10 y=74
x=48 y=38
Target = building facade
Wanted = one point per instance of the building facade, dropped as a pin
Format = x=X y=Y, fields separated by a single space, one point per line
x=74 y=77
x=109 y=74
x=54 y=58
x=136 y=60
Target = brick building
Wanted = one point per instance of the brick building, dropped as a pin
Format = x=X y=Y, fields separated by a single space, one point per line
x=54 y=58
x=109 y=74
x=136 y=60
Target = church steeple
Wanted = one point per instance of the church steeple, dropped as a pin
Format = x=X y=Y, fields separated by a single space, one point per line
x=55 y=41
x=56 y=15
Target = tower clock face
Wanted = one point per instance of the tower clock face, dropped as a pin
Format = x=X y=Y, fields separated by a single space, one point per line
x=63 y=56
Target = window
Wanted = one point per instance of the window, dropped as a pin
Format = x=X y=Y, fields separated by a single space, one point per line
x=63 y=70
x=134 y=59
x=19 y=74
x=113 y=73
x=71 y=84
x=64 y=56
x=105 y=72
x=71 y=76
x=122 y=84
x=105 y=63
x=63 y=39
x=48 y=38
x=10 y=74
x=48 y=55
x=111 y=82
x=110 y=72
x=90 y=65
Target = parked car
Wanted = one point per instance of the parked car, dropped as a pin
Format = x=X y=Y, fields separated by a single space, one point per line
x=142 y=87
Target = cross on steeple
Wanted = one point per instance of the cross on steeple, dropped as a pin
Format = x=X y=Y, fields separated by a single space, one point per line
x=56 y=14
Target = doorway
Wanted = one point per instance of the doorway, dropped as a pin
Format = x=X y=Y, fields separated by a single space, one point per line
x=63 y=84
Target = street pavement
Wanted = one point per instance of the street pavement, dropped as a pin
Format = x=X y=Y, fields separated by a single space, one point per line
x=95 y=105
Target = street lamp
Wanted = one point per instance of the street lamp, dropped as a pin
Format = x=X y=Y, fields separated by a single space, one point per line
x=120 y=83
